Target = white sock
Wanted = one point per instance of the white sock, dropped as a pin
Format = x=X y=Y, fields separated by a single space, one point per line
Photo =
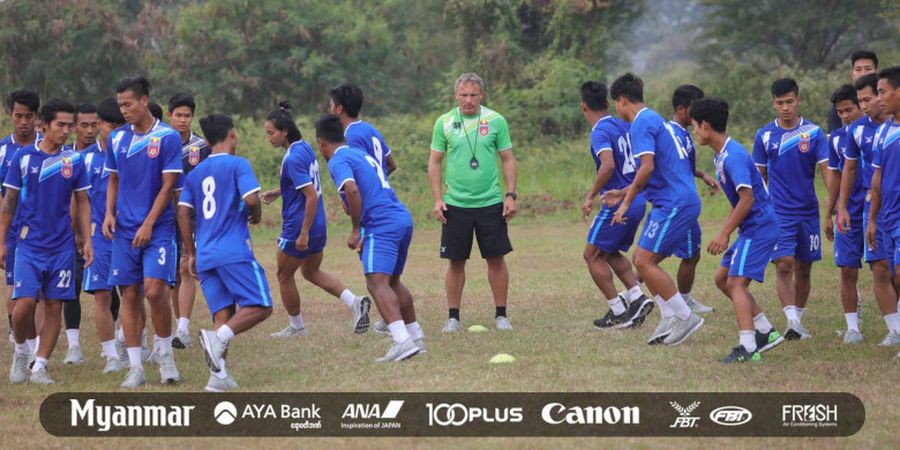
x=296 y=321
x=398 y=331
x=415 y=331
x=348 y=298
x=22 y=349
x=800 y=313
x=852 y=321
x=791 y=313
x=761 y=323
x=893 y=322
x=616 y=305
x=634 y=293
x=183 y=324
x=134 y=357
x=162 y=344
x=37 y=345
x=39 y=363
x=222 y=373
x=748 y=340
x=225 y=334
x=72 y=336
x=664 y=311
x=109 y=349
x=679 y=307
x=32 y=345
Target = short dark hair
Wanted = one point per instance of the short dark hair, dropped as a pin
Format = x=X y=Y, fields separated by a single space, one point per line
x=685 y=95
x=593 y=94
x=138 y=85
x=52 y=107
x=863 y=54
x=630 y=86
x=867 y=80
x=215 y=127
x=350 y=97
x=155 y=110
x=330 y=129
x=84 y=108
x=283 y=120
x=26 y=97
x=712 y=110
x=843 y=93
x=784 y=86
x=892 y=75
x=109 y=111
x=182 y=99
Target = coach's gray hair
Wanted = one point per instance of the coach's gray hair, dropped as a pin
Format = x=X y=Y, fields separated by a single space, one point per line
x=470 y=77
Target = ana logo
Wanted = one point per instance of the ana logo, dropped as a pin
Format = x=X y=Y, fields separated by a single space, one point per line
x=804 y=142
x=684 y=419
x=373 y=410
x=484 y=128
x=730 y=416
x=457 y=414
x=225 y=413
x=153 y=147
x=194 y=155
x=66 y=170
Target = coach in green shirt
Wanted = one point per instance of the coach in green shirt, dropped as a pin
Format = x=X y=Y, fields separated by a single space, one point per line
x=470 y=138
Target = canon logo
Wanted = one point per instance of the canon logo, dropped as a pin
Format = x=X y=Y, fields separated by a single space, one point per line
x=730 y=416
x=557 y=413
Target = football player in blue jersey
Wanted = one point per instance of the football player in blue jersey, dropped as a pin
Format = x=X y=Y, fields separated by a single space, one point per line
x=786 y=152
x=144 y=164
x=666 y=178
x=346 y=102
x=225 y=195
x=303 y=231
x=381 y=232
x=40 y=183
x=606 y=242
x=848 y=244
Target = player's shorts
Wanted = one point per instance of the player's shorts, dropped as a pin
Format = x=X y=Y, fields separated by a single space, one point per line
x=748 y=256
x=384 y=248
x=870 y=254
x=288 y=246
x=691 y=245
x=892 y=241
x=10 y=261
x=849 y=246
x=52 y=273
x=242 y=283
x=610 y=237
x=486 y=223
x=666 y=228
x=96 y=277
x=800 y=238
x=129 y=266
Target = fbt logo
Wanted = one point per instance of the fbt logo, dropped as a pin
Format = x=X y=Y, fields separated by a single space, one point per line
x=373 y=410
x=684 y=419
x=730 y=416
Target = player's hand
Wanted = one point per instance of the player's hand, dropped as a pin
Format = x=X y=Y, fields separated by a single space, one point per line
x=87 y=252
x=353 y=242
x=711 y=182
x=718 y=245
x=440 y=207
x=142 y=237
x=269 y=196
x=509 y=208
x=871 y=235
x=843 y=221
x=302 y=242
x=620 y=216
x=109 y=226
x=586 y=208
x=79 y=244
x=829 y=228
x=3 y=255
x=191 y=262
x=612 y=197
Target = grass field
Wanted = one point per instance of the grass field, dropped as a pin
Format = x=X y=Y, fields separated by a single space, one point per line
x=552 y=304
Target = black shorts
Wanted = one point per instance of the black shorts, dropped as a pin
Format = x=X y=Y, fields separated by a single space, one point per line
x=488 y=225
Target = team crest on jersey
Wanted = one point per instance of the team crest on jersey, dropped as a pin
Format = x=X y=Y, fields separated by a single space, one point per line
x=804 y=142
x=484 y=128
x=194 y=155
x=153 y=147
x=66 y=169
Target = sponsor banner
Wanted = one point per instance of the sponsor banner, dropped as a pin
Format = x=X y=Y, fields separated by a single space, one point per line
x=453 y=414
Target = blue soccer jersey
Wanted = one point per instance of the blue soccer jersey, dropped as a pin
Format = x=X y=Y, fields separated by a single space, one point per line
x=380 y=205
x=684 y=137
x=8 y=149
x=861 y=137
x=672 y=182
x=610 y=134
x=887 y=158
x=140 y=160
x=45 y=183
x=363 y=135
x=299 y=169
x=94 y=163
x=216 y=189
x=735 y=171
x=790 y=157
x=837 y=147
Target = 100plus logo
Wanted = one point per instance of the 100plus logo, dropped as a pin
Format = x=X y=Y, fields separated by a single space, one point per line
x=457 y=414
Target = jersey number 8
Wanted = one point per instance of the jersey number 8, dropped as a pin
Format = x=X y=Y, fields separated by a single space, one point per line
x=209 y=202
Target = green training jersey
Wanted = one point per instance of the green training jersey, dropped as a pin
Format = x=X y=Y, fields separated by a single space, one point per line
x=461 y=138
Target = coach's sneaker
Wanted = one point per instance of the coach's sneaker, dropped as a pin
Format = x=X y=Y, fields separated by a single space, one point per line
x=681 y=329
x=796 y=331
x=40 y=377
x=638 y=310
x=853 y=337
x=740 y=354
x=502 y=323
x=891 y=339
x=290 y=331
x=420 y=342
x=213 y=349
x=134 y=379
x=74 y=355
x=216 y=384
x=663 y=328
x=168 y=373
x=113 y=365
x=451 y=326
x=399 y=352
x=699 y=308
x=360 y=308
x=381 y=327
x=18 y=371
x=182 y=339
x=768 y=341
x=612 y=320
